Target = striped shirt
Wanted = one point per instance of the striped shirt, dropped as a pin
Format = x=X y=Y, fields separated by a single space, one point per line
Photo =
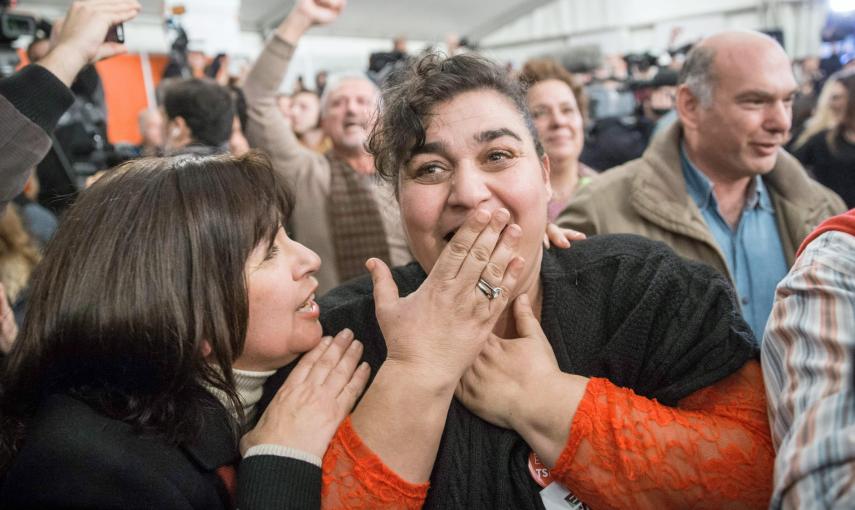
x=808 y=354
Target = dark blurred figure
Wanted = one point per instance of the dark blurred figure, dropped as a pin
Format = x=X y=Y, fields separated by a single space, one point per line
x=613 y=141
x=306 y=121
x=151 y=129
x=321 y=82
x=830 y=154
x=238 y=144
x=39 y=221
x=80 y=145
x=378 y=61
x=199 y=115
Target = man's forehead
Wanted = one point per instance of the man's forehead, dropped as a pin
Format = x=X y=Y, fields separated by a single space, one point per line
x=757 y=67
x=354 y=87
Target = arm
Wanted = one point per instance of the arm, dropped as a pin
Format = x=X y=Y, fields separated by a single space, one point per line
x=616 y=449
x=266 y=128
x=682 y=317
x=808 y=359
x=712 y=451
x=34 y=98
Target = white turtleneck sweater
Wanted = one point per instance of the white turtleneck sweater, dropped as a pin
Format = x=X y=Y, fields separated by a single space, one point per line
x=250 y=387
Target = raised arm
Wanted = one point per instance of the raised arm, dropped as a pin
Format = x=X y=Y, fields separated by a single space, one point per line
x=34 y=98
x=266 y=128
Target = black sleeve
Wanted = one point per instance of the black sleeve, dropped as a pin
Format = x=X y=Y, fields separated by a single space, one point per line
x=37 y=94
x=270 y=481
x=670 y=326
x=686 y=316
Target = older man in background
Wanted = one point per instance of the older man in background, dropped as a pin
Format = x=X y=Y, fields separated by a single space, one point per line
x=342 y=212
x=716 y=186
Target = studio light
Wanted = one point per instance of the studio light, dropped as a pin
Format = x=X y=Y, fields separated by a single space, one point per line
x=841 y=6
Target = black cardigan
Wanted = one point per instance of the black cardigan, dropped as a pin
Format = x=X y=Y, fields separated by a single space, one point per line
x=75 y=457
x=615 y=306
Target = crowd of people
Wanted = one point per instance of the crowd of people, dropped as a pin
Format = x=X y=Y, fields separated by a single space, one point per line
x=454 y=288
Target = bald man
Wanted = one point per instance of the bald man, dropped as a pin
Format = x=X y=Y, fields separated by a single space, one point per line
x=716 y=186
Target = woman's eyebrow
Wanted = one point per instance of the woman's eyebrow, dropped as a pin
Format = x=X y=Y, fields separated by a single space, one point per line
x=429 y=148
x=491 y=134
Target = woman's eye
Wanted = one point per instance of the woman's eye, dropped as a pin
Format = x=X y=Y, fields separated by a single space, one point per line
x=498 y=156
x=428 y=173
x=271 y=252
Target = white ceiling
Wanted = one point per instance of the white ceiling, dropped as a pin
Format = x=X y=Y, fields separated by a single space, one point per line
x=427 y=20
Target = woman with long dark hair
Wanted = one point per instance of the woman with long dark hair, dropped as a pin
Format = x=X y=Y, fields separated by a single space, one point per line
x=169 y=294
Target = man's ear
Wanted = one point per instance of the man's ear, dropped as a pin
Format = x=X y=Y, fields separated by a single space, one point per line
x=181 y=125
x=688 y=107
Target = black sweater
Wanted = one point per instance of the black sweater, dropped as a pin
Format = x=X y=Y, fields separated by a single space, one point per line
x=76 y=457
x=615 y=306
x=832 y=168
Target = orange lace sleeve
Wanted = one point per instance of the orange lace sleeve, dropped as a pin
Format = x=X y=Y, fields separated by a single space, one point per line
x=713 y=450
x=354 y=477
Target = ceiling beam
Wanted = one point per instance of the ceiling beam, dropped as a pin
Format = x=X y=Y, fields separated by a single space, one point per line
x=496 y=22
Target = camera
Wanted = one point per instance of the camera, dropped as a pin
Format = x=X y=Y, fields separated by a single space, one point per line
x=12 y=26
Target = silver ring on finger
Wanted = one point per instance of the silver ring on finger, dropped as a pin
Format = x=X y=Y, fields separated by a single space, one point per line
x=488 y=290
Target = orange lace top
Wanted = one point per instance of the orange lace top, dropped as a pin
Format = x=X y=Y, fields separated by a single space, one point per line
x=624 y=451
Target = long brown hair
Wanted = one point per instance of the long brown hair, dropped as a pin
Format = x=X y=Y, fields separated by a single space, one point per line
x=145 y=273
x=847 y=121
x=19 y=254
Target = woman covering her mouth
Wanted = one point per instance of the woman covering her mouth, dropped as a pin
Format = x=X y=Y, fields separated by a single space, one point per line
x=167 y=297
x=615 y=373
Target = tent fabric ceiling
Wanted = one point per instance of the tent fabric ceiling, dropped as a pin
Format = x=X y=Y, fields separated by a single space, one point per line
x=417 y=20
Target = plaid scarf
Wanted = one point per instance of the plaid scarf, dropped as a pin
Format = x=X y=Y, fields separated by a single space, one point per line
x=355 y=222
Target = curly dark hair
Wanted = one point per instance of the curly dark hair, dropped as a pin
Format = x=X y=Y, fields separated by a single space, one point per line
x=411 y=94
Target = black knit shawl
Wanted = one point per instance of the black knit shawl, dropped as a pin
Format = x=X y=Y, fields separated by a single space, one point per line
x=614 y=306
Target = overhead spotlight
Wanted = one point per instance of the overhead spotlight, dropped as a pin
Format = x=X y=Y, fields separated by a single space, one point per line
x=841 y=6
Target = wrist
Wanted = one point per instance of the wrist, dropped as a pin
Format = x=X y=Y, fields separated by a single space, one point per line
x=543 y=417
x=64 y=62
x=284 y=451
x=293 y=28
x=425 y=377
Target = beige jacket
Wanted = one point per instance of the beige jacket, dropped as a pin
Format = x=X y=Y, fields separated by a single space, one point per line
x=307 y=171
x=648 y=197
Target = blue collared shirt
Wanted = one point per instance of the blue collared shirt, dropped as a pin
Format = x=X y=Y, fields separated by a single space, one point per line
x=752 y=251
